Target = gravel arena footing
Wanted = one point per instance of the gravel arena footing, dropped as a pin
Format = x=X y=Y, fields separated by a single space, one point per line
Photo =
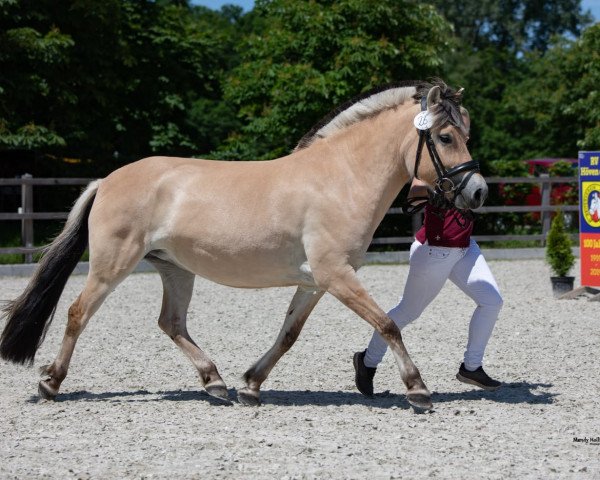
x=132 y=407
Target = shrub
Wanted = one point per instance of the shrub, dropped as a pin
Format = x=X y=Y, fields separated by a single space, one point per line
x=558 y=248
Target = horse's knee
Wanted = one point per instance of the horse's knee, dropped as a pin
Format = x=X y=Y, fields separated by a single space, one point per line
x=390 y=331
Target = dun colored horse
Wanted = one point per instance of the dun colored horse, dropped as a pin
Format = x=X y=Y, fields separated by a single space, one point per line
x=305 y=219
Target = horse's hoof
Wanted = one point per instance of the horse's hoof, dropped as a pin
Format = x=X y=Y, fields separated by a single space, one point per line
x=249 y=398
x=420 y=411
x=46 y=391
x=420 y=402
x=219 y=392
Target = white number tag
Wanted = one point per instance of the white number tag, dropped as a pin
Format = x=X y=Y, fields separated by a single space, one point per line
x=424 y=120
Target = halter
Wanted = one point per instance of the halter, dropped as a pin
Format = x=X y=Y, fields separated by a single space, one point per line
x=444 y=183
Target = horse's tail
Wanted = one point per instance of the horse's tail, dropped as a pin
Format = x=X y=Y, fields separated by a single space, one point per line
x=29 y=316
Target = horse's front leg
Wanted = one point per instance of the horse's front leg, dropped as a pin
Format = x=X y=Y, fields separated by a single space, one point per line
x=302 y=304
x=347 y=288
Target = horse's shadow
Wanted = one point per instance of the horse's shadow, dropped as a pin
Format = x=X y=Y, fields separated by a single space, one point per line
x=138 y=396
x=509 y=393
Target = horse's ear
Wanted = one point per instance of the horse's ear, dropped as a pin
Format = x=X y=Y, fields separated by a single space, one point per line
x=433 y=96
x=466 y=118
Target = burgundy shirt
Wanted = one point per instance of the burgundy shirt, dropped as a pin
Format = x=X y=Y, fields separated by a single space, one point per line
x=445 y=228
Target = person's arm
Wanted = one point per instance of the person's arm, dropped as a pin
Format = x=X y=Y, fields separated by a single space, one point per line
x=418 y=189
x=417 y=197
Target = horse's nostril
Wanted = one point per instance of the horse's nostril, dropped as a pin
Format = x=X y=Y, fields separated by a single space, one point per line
x=479 y=196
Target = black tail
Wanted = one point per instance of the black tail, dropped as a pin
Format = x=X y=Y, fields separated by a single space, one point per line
x=29 y=316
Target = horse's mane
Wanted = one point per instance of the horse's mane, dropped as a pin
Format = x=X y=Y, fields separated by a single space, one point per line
x=372 y=102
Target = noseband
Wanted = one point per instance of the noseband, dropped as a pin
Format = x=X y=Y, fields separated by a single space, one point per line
x=445 y=183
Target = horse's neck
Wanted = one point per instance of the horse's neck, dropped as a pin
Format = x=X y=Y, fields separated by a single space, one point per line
x=376 y=154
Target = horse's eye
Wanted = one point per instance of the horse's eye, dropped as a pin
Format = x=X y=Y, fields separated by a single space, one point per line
x=445 y=138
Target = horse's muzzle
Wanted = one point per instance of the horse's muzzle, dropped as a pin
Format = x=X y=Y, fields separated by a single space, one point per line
x=474 y=193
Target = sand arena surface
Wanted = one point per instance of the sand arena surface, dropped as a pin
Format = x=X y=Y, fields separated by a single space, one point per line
x=132 y=407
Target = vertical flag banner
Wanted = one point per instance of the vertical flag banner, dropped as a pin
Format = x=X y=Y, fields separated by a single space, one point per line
x=589 y=218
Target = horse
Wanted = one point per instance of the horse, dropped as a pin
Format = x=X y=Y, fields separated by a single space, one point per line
x=304 y=220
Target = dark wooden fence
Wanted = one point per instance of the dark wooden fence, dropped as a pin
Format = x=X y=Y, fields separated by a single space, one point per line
x=27 y=216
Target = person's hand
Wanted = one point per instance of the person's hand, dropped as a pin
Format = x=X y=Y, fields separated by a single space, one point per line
x=439 y=200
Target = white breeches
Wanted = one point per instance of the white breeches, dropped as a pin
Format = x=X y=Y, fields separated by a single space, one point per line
x=429 y=268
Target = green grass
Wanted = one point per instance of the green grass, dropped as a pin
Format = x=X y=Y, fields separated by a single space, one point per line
x=18 y=258
x=11 y=259
x=512 y=244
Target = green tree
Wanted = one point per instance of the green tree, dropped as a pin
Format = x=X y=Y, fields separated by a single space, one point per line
x=555 y=109
x=515 y=26
x=583 y=68
x=88 y=78
x=172 y=65
x=497 y=43
x=311 y=56
x=32 y=60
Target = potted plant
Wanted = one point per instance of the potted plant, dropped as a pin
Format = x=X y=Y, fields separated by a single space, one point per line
x=559 y=256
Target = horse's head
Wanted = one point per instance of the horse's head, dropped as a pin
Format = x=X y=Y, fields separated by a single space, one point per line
x=442 y=158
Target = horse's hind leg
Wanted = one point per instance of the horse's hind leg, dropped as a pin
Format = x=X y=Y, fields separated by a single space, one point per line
x=110 y=264
x=86 y=304
x=302 y=304
x=178 y=285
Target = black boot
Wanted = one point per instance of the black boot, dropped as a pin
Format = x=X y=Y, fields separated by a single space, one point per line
x=477 y=377
x=364 y=375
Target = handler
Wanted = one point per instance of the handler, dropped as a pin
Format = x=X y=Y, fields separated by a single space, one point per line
x=442 y=249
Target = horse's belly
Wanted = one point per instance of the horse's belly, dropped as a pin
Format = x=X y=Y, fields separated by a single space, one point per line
x=256 y=269
x=249 y=236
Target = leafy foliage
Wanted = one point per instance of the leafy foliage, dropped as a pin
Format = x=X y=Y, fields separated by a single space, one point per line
x=556 y=102
x=506 y=49
x=516 y=26
x=311 y=56
x=583 y=68
x=31 y=63
x=114 y=80
x=558 y=249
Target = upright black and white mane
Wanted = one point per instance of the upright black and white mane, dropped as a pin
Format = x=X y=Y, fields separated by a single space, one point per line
x=372 y=102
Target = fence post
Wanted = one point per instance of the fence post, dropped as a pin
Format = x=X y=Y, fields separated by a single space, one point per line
x=546 y=215
x=27 y=223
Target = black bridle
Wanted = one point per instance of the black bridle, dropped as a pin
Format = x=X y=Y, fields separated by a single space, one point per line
x=445 y=183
